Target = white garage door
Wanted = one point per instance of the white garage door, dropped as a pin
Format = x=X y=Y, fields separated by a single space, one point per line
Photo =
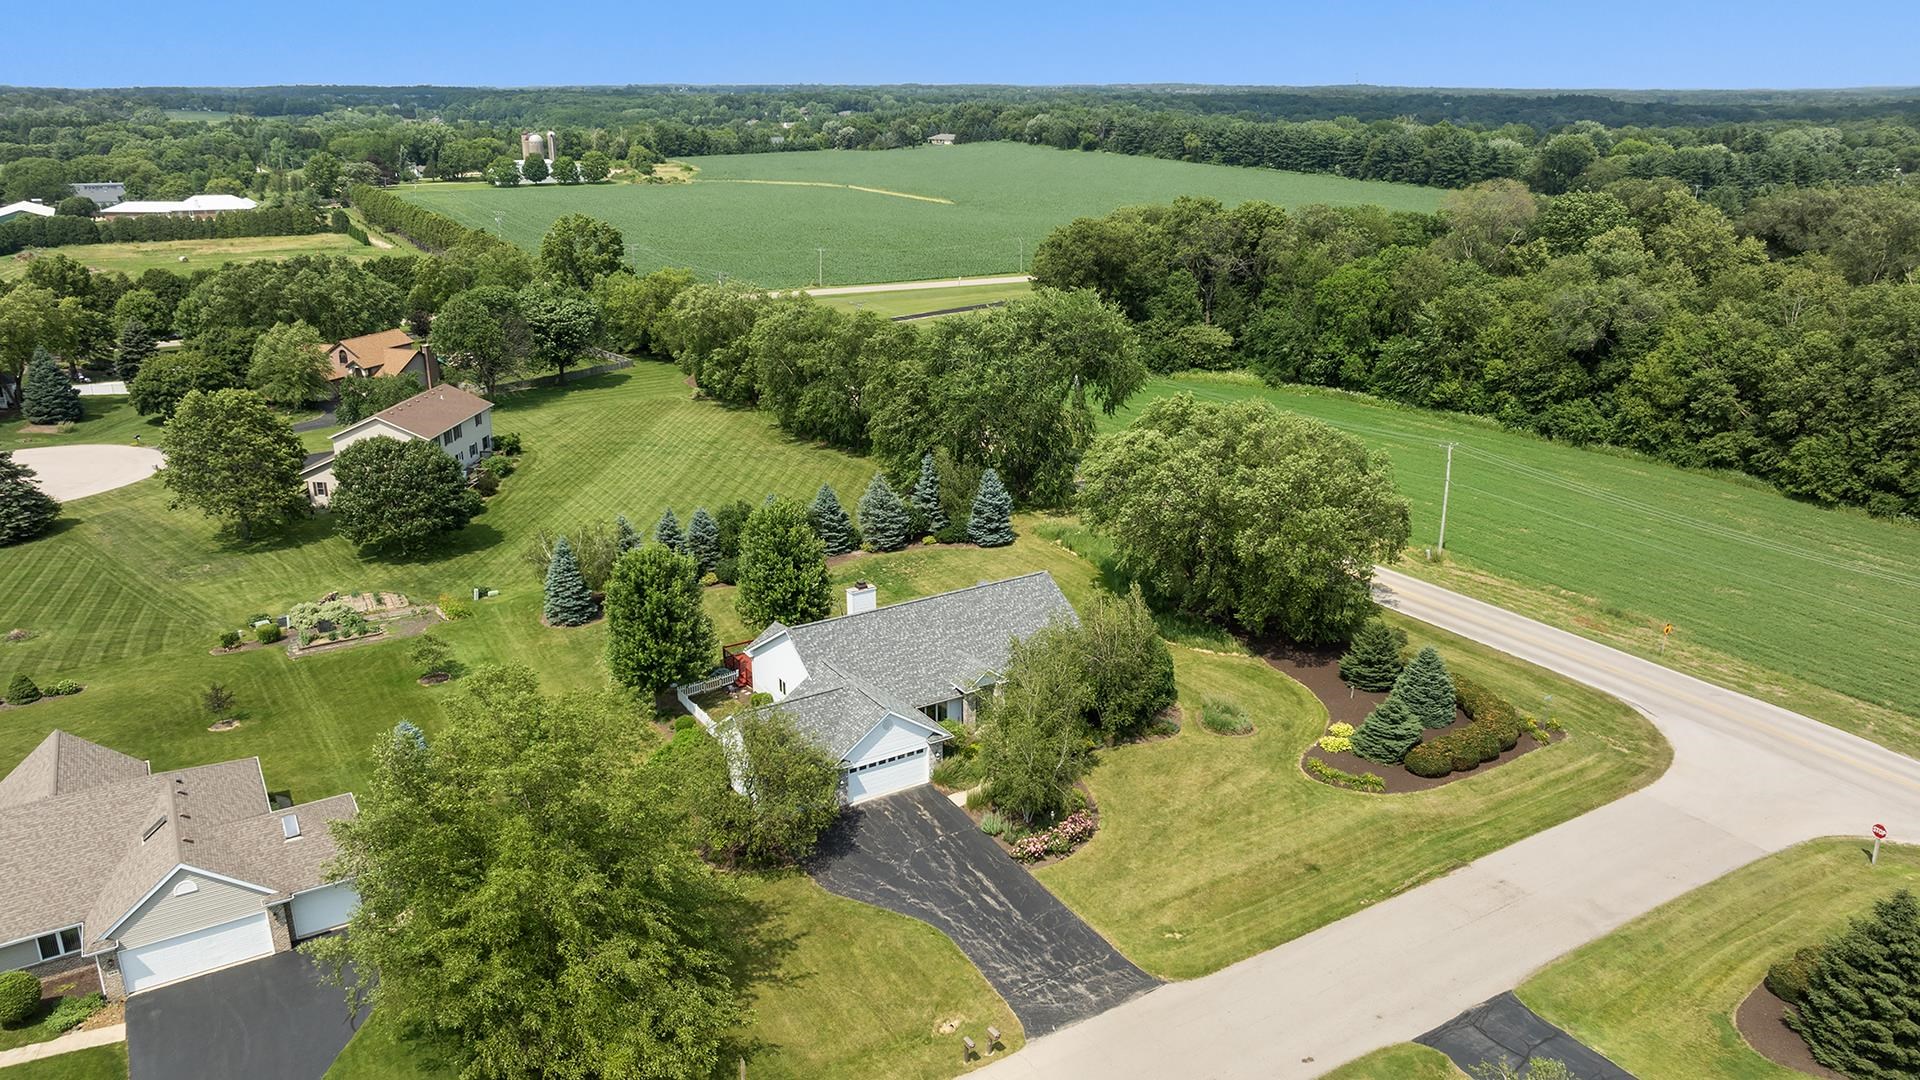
x=191 y=954
x=323 y=909
x=872 y=779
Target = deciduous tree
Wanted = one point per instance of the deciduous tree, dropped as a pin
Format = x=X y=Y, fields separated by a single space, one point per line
x=289 y=366
x=482 y=335
x=562 y=323
x=791 y=789
x=534 y=169
x=1129 y=668
x=580 y=250
x=658 y=633
x=1033 y=737
x=230 y=456
x=400 y=497
x=361 y=398
x=782 y=568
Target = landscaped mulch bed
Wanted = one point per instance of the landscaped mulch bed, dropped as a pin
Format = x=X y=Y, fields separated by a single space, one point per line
x=1762 y=1020
x=1318 y=669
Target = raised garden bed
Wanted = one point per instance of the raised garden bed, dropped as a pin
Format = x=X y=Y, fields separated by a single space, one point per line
x=1762 y=1020
x=1318 y=669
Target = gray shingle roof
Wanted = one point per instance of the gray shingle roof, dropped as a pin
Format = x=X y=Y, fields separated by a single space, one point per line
x=77 y=856
x=64 y=763
x=836 y=710
x=926 y=651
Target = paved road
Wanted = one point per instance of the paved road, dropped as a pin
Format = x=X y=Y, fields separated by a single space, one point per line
x=1747 y=779
x=918 y=854
x=78 y=470
x=911 y=286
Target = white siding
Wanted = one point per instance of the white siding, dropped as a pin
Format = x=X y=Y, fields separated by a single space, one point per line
x=18 y=955
x=885 y=776
x=778 y=670
x=372 y=429
x=323 y=909
x=889 y=737
x=191 y=954
x=167 y=913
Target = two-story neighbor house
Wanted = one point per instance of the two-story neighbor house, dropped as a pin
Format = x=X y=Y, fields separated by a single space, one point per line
x=156 y=877
x=875 y=687
x=461 y=423
x=389 y=352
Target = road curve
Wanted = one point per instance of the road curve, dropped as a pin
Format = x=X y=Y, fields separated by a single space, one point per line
x=1747 y=779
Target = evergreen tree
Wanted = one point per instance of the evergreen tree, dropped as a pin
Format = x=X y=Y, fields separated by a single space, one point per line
x=134 y=347
x=884 y=520
x=831 y=522
x=1427 y=689
x=1372 y=659
x=782 y=568
x=667 y=533
x=48 y=398
x=930 y=516
x=25 y=510
x=625 y=539
x=1861 y=1010
x=991 y=523
x=1389 y=731
x=703 y=541
x=658 y=634
x=569 y=602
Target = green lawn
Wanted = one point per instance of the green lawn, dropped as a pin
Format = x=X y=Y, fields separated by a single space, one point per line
x=1406 y=1061
x=917 y=301
x=1212 y=849
x=95 y=1063
x=931 y=212
x=103 y=420
x=132 y=259
x=1658 y=995
x=1814 y=609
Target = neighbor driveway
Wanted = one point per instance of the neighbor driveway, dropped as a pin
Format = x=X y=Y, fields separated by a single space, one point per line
x=918 y=854
x=76 y=471
x=271 y=1017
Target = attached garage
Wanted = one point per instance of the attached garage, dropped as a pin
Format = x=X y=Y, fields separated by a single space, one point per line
x=894 y=754
x=873 y=779
x=196 y=953
x=323 y=909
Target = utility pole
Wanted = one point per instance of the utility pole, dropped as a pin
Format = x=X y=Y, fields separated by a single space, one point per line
x=1446 y=490
x=1022 y=242
x=819 y=266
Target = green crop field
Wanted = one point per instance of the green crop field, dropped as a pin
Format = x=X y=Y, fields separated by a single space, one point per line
x=1815 y=609
x=860 y=216
x=132 y=259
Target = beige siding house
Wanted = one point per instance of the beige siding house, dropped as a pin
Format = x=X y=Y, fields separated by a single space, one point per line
x=461 y=423
x=390 y=352
x=154 y=877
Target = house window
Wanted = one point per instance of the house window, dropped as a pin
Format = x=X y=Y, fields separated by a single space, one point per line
x=319 y=489
x=783 y=685
x=473 y=450
x=62 y=943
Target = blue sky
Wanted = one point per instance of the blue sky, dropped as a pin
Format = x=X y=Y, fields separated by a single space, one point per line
x=1571 y=43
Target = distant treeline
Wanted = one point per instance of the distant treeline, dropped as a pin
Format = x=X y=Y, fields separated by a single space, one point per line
x=30 y=231
x=1784 y=343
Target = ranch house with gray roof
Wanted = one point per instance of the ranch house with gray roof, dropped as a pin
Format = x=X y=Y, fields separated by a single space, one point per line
x=876 y=688
x=156 y=877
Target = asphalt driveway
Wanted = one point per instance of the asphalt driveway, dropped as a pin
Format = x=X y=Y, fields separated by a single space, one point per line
x=1502 y=1030
x=918 y=854
x=271 y=1017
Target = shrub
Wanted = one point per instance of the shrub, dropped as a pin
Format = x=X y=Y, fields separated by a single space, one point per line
x=1464 y=753
x=230 y=639
x=267 y=633
x=19 y=997
x=1341 y=778
x=507 y=443
x=1428 y=761
x=61 y=688
x=1224 y=718
x=1388 y=732
x=759 y=698
x=992 y=824
x=69 y=1011
x=1788 y=978
x=1076 y=828
x=455 y=608
x=1340 y=728
x=1030 y=848
x=21 y=690
x=957 y=773
x=1335 y=744
x=485 y=482
x=685 y=723
x=954 y=533
x=498 y=467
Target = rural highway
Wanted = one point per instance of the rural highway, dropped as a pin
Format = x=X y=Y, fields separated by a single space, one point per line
x=1747 y=779
x=914 y=286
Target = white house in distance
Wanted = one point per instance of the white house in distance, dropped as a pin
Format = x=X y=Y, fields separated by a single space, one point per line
x=874 y=687
x=460 y=422
x=26 y=208
x=943 y=139
x=157 y=877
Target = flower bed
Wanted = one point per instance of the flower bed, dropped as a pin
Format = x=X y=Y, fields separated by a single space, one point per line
x=1067 y=834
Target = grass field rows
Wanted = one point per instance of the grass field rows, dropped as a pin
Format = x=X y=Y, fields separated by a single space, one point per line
x=838 y=216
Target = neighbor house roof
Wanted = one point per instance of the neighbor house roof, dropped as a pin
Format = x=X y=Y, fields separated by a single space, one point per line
x=63 y=764
x=379 y=354
x=89 y=854
x=104 y=193
x=922 y=652
x=193 y=204
x=429 y=413
x=24 y=207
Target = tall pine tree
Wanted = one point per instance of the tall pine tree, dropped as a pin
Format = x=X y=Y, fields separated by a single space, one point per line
x=25 y=510
x=931 y=517
x=668 y=533
x=703 y=541
x=133 y=348
x=991 y=523
x=884 y=520
x=1861 y=1011
x=1427 y=689
x=1372 y=660
x=48 y=398
x=569 y=601
x=624 y=538
x=831 y=522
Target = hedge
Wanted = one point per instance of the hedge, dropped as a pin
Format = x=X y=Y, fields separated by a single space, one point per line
x=1494 y=727
x=46 y=232
x=434 y=232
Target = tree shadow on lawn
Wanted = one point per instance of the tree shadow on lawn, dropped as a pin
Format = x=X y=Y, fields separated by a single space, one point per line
x=762 y=948
x=319 y=528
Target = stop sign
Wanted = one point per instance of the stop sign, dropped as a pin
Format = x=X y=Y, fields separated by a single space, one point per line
x=1879 y=832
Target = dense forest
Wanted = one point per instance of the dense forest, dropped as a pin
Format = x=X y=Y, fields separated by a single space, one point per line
x=1726 y=147
x=1784 y=343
